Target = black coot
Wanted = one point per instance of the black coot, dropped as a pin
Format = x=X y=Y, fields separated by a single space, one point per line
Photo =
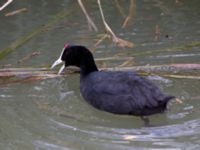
x=116 y=92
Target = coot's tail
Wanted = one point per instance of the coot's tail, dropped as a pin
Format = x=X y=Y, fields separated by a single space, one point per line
x=165 y=100
x=162 y=106
x=168 y=98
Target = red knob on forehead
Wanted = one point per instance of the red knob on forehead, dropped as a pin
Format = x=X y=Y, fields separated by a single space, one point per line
x=66 y=45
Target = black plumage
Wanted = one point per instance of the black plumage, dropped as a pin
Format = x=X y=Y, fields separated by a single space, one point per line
x=116 y=92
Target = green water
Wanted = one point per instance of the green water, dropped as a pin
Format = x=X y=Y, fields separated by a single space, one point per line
x=51 y=115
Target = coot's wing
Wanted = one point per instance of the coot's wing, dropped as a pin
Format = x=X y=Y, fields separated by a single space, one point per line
x=112 y=98
x=126 y=92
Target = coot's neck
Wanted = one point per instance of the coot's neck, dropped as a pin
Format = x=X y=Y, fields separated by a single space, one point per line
x=85 y=70
x=87 y=66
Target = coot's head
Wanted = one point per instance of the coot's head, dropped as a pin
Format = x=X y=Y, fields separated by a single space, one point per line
x=76 y=55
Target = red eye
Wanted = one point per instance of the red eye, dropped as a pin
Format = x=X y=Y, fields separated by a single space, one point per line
x=66 y=45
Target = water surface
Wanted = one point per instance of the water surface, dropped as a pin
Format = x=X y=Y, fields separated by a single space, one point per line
x=51 y=115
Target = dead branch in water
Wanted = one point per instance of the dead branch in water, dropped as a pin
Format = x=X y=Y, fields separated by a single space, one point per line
x=23 y=75
x=118 y=41
x=120 y=9
x=180 y=71
x=173 y=69
x=132 y=12
x=91 y=24
x=131 y=15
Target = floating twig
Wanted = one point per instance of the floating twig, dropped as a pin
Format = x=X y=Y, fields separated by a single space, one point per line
x=177 y=71
x=181 y=76
x=113 y=58
x=27 y=79
x=128 y=63
x=101 y=40
x=16 y=12
x=184 y=71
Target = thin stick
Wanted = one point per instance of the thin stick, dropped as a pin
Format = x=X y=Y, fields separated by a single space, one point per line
x=101 y=40
x=128 y=63
x=6 y=4
x=113 y=58
x=89 y=20
x=24 y=75
x=181 y=76
x=115 y=39
x=29 y=56
x=131 y=15
x=16 y=12
x=108 y=29
x=188 y=71
x=181 y=71
x=120 y=9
